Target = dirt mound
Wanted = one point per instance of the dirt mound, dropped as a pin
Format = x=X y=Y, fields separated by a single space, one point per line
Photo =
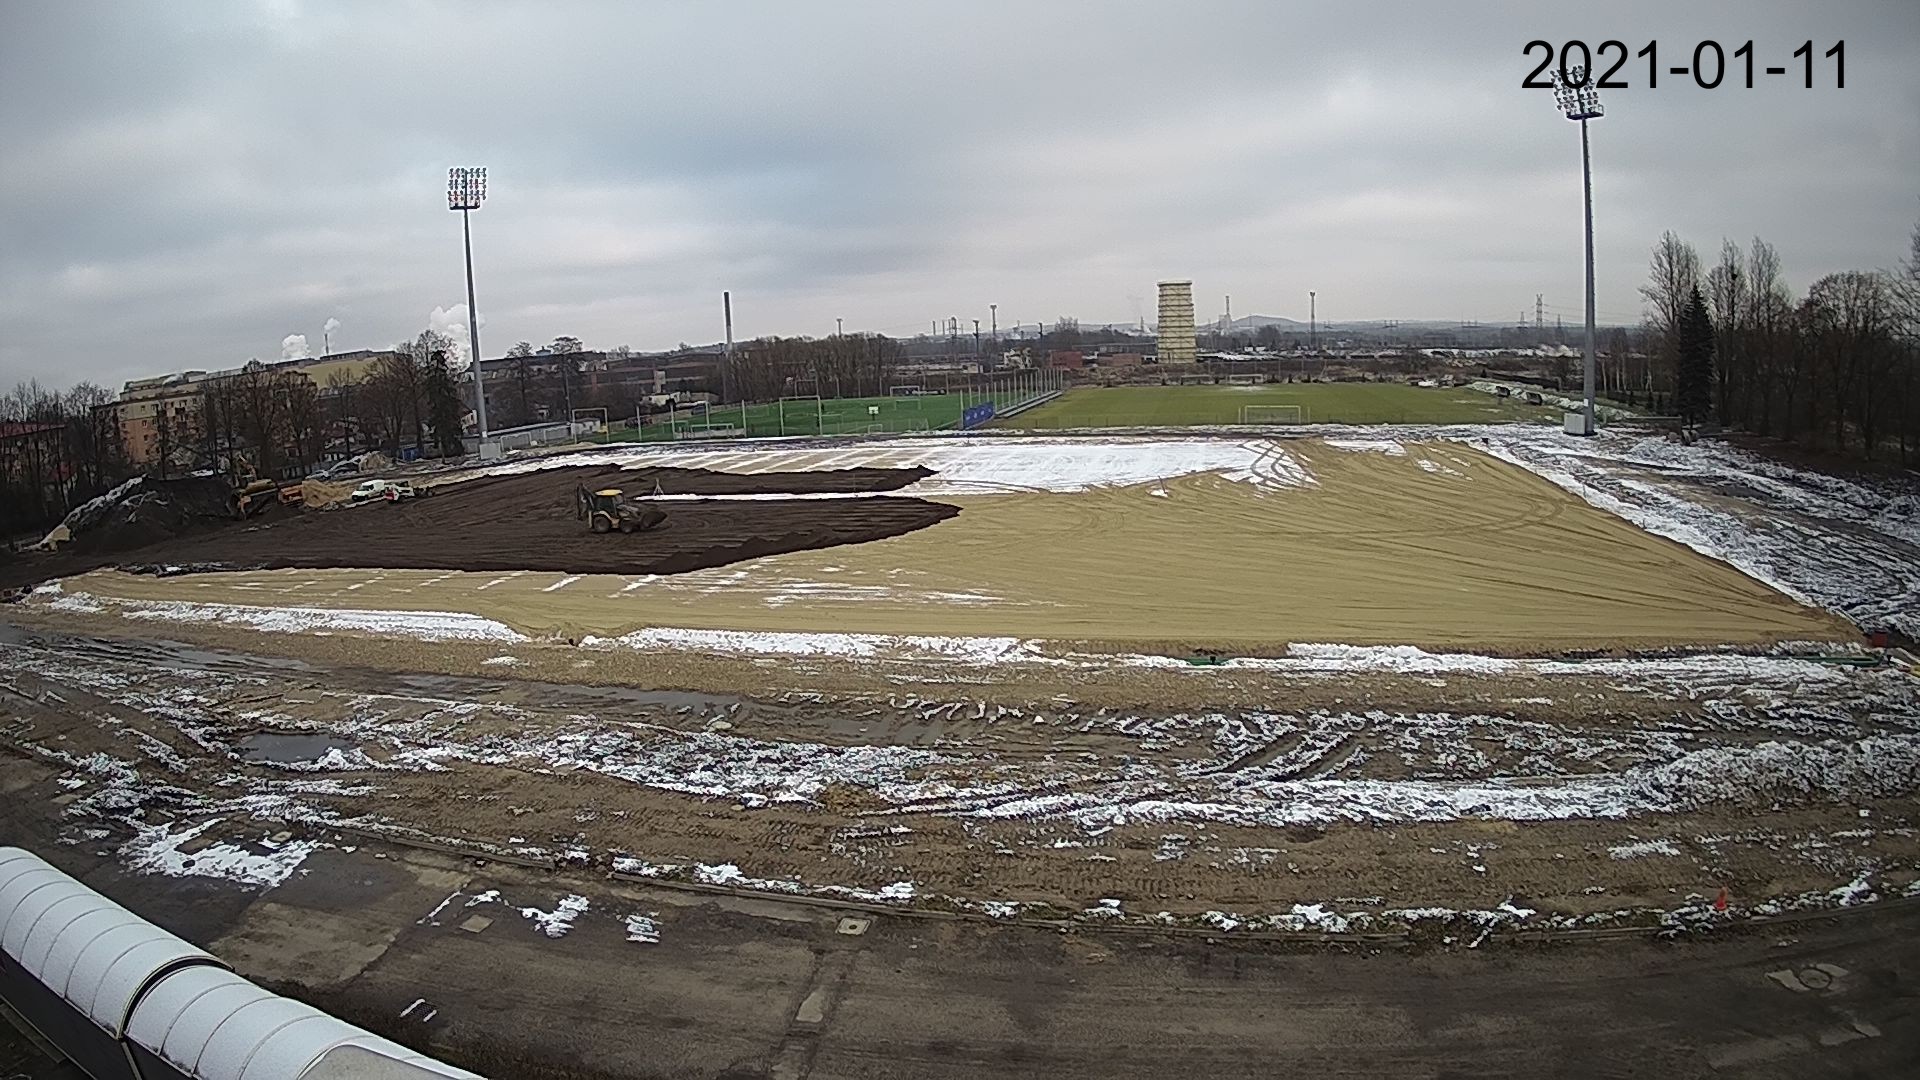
x=323 y=494
x=526 y=522
x=146 y=510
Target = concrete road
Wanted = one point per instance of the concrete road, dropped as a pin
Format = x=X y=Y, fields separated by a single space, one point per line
x=456 y=958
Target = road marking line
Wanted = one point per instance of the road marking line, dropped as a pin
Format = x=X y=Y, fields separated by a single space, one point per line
x=562 y=583
x=417 y=1002
x=429 y=916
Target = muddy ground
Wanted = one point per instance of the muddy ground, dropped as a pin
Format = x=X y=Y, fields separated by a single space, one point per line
x=146 y=733
x=527 y=522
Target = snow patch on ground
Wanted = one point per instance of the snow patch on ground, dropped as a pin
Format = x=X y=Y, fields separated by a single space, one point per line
x=1843 y=545
x=416 y=625
x=557 y=922
x=643 y=929
x=973 y=466
x=1400 y=658
x=1643 y=848
x=728 y=874
x=965 y=650
x=156 y=850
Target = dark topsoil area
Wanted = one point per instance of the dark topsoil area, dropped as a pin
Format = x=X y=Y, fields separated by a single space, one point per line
x=526 y=522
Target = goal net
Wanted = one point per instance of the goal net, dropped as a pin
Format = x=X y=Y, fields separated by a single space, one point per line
x=1273 y=414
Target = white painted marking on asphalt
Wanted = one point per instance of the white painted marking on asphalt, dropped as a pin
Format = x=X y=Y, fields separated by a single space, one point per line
x=429 y=916
x=562 y=583
x=417 y=1002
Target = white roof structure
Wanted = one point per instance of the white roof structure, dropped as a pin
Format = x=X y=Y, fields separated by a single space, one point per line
x=143 y=984
x=213 y=1024
x=96 y=954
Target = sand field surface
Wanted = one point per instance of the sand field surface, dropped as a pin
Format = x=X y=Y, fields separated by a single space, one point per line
x=1438 y=546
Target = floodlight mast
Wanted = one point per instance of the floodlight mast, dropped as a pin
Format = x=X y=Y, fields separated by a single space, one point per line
x=466 y=190
x=1579 y=98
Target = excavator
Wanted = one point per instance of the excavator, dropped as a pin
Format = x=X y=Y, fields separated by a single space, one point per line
x=608 y=510
x=253 y=493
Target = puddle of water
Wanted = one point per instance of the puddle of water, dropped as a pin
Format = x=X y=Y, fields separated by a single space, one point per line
x=269 y=747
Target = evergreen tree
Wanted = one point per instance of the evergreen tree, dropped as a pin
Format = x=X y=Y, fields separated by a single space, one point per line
x=445 y=410
x=1693 y=377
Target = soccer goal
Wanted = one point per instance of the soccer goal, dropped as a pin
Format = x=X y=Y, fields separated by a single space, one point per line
x=802 y=415
x=1273 y=414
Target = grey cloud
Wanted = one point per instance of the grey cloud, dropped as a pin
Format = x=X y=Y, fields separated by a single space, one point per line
x=187 y=185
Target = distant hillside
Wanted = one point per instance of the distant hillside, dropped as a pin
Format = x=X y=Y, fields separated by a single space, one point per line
x=1255 y=322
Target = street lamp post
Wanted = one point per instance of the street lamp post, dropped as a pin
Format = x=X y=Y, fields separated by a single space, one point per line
x=1579 y=99
x=466 y=189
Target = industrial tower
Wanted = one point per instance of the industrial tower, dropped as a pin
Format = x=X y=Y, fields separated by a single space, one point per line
x=1176 y=322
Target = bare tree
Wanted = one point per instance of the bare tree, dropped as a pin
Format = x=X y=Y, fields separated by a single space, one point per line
x=563 y=359
x=523 y=383
x=1672 y=277
x=341 y=393
x=1726 y=304
x=1851 y=316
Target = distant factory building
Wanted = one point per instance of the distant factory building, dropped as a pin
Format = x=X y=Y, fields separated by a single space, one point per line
x=1176 y=322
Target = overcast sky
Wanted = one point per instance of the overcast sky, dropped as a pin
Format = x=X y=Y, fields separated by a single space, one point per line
x=188 y=184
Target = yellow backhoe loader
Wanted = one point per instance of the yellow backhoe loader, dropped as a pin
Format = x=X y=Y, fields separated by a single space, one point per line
x=609 y=510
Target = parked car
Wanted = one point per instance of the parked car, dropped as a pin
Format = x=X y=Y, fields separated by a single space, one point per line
x=389 y=490
x=337 y=470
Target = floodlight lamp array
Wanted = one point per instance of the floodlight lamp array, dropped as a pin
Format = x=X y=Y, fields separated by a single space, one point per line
x=1574 y=91
x=466 y=188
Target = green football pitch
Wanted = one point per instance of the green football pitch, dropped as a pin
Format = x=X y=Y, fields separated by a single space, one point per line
x=1310 y=403
x=806 y=416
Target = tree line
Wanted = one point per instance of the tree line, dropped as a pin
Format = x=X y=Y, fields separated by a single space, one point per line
x=58 y=449
x=551 y=383
x=844 y=365
x=53 y=443
x=1837 y=369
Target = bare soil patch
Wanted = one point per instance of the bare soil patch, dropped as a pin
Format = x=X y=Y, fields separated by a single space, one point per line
x=526 y=522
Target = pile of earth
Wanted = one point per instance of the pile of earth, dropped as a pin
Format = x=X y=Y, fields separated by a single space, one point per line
x=526 y=521
x=147 y=510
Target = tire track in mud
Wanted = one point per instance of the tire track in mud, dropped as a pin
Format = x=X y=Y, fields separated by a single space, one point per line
x=584 y=771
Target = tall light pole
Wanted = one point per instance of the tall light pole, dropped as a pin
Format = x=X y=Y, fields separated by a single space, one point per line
x=838 y=329
x=466 y=190
x=1579 y=99
x=1313 y=316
